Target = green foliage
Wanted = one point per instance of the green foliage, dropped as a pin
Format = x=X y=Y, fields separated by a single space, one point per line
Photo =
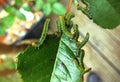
x=50 y=6
x=20 y=15
x=5 y=23
x=18 y=2
x=26 y=7
x=59 y=58
x=65 y=52
x=47 y=8
x=2 y=31
x=39 y=4
x=9 y=9
x=67 y=67
x=36 y=64
x=115 y=4
x=58 y=9
x=105 y=13
x=52 y=1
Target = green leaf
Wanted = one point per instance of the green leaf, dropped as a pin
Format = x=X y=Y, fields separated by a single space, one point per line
x=51 y=1
x=9 y=9
x=105 y=13
x=115 y=4
x=58 y=8
x=36 y=65
x=18 y=2
x=47 y=8
x=64 y=69
x=2 y=31
x=26 y=7
x=20 y=15
x=7 y=21
x=39 y=4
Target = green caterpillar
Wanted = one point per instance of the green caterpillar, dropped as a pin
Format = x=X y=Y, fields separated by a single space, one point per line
x=43 y=36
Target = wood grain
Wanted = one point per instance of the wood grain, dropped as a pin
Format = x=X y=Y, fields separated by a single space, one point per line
x=103 y=48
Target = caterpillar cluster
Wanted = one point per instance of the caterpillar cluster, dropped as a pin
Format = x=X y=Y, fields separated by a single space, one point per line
x=64 y=26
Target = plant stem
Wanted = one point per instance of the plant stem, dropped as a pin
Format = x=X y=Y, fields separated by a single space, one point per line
x=69 y=7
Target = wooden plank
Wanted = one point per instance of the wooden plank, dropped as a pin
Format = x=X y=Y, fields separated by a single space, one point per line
x=104 y=48
x=99 y=65
x=100 y=39
x=115 y=31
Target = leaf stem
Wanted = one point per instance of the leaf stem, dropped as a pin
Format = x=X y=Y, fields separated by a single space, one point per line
x=69 y=7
